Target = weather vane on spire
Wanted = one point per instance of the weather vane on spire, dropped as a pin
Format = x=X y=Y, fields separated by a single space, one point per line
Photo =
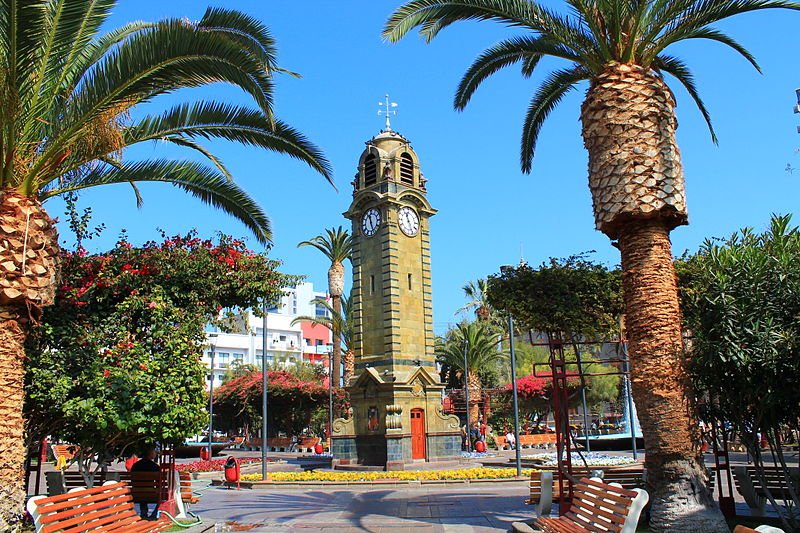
x=387 y=108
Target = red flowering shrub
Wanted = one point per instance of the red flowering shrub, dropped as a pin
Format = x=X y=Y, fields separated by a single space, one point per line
x=214 y=465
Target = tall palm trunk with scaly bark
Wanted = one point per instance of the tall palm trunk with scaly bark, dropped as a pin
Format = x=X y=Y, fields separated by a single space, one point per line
x=638 y=193
x=29 y=265
x=336 y=289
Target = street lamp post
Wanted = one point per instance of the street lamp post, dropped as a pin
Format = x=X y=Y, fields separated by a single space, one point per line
x=212 y=337
x=330 y=399
x=466 y=397
x=264 y=384
x=514 y=392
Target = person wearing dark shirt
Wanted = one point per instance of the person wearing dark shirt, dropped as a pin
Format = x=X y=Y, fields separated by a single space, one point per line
x=147 y=464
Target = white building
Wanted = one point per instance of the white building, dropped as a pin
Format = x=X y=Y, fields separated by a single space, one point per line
x=286 y=343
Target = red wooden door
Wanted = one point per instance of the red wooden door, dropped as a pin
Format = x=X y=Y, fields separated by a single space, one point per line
x=417 y=434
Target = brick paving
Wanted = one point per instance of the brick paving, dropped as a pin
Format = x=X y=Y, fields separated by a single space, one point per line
x=459 y=508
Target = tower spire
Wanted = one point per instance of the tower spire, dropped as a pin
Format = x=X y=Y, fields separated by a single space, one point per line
x=387 y=109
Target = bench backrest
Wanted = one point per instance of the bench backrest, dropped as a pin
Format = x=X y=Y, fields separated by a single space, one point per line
x=67 y=451
x=629 y=478
x=601 y=507
x=186 y=488
x=108 y=507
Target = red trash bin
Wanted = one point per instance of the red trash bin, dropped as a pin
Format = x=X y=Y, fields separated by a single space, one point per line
x=232 y=472
x=204 y=455
x=318 y=449
x=480 y=446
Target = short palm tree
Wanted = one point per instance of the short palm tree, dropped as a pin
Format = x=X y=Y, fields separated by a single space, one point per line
x=70 y=106
x=337 y=246
x=482 y=351
x=635 y=177
x=339 y=323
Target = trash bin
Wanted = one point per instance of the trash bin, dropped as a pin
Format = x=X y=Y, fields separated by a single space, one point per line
x=232 y=472
x=204 y=455
x=318 y=449
x=480 y=446
x=130 y=461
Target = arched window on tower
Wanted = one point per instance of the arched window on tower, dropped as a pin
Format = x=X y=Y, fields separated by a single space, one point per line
x=370 y=170
x=406 y=169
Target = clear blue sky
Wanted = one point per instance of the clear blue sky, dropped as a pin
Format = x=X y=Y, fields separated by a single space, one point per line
x=488 y=210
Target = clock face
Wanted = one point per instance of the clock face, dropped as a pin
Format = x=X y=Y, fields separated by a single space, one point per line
x=408 y=220
x=370 y=222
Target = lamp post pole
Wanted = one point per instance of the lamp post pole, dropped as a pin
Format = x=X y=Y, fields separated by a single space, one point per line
x=466 y=397
x=514 y=392
x=211 y=337
x=264 y=384
x=330 y=400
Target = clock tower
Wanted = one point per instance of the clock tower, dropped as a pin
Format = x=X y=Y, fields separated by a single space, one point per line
x=395 y=393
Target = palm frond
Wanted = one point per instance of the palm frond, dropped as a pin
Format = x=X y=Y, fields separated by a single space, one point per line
x=233 y=123
x=681 y=72
x=503 y=54
x=205 y=183
x=546 y=98
x=336 y=244
x=712 y=35
x=247 y=31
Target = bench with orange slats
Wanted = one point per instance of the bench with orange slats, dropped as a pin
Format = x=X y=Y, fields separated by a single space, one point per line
x=67 y=451
x=187 y=495
x=598 y=507
x=307 y=444
x=107 y=508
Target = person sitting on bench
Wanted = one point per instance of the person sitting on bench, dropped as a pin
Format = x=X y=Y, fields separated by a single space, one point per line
x=147 y=464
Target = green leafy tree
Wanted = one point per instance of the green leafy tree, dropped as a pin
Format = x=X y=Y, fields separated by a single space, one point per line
x=635 y=177
x=116 y=361
x=336 y=245
x=73 y=101
x=742 y=304
x=479 y=341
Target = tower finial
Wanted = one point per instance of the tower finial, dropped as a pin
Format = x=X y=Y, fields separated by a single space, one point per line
x=387 y=109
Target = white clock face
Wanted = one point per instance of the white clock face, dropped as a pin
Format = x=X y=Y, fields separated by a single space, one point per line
x=370 y=222
x=408 y=220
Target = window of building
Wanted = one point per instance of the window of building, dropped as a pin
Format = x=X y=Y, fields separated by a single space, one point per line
x=282 y=338
x=222 y=359
x=372 y=284
x=318 y=342
x=307 y=341
x=370 y=170
x=409 y=282
x=406 y=169
x=320 y=310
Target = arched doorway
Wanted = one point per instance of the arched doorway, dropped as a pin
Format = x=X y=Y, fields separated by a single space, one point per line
x=417 y=434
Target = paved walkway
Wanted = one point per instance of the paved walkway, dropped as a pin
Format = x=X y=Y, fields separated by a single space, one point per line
x=460 y=508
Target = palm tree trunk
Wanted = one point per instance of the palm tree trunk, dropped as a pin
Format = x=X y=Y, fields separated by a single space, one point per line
x=349 y=365
x=474 y=383
x=29 y=263
x=337 y=344
x=12 y=447
x=676 y=477
x=336 y=289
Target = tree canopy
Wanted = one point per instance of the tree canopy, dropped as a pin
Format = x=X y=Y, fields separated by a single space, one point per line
x=116 y=360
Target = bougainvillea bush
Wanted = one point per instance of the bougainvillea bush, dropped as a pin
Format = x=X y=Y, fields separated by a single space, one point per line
x=292 y=400
x=116 y=362
x=214 y=465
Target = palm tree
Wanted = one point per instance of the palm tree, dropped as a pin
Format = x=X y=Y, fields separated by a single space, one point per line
x=70 y=99
x=635 y=177
x=475 y=291
x=336 y=245
x=482 y=350
x=340 y=323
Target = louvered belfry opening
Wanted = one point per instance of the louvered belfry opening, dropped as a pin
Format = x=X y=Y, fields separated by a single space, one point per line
x=370 y=170
x=406 y=169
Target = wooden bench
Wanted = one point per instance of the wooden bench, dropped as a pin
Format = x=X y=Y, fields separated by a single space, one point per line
x=754 y=491
x=145 y=487
x=596 y=507
x=187 y=495
x=67 y=451
x=629 y=478
x=500 y=442
x=306 y=444
x=107 y=508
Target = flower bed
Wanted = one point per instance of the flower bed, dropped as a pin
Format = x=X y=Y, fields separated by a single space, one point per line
x=215 y=465
x=403 y=475
x=592 y=459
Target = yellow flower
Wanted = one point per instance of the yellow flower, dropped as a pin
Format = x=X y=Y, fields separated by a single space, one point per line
x=401 y=475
